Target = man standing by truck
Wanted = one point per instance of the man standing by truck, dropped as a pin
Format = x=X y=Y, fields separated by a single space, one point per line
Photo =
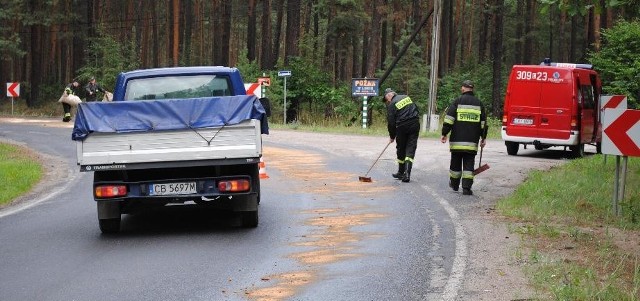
x=466 y=119
x=92 y=88
x=404 y=127
x=72 y=88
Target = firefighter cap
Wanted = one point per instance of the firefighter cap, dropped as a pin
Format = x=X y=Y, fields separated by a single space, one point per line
x=468 y=84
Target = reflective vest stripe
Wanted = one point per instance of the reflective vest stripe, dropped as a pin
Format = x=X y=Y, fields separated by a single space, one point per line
x=463 y=146
x=403 y=103
x=449 y=119
x=468 y=115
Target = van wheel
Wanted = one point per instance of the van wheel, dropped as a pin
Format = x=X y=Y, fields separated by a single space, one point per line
x=577 y=151
x=512 y=148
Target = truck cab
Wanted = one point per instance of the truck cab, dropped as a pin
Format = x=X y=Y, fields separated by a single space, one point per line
x=553 y=104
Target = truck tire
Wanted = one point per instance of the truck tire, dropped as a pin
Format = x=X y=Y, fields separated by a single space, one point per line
x=109 y=225
x=109 y=216
x=249 y=219
x=512 y=147
x=577 y=151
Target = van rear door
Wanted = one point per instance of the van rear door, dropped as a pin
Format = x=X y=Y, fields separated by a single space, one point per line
x=557 y=104
x=522 y=105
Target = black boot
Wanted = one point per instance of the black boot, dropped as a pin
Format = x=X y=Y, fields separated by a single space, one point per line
x=407 y=173
x=400 y=172
x=466 y=186
x=454 y=184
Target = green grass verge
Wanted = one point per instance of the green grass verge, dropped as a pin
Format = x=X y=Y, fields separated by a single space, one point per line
x=577 y=193
x=19 y=172
x=579 y=249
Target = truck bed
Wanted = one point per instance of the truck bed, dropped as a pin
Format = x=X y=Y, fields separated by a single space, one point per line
x=236 y=141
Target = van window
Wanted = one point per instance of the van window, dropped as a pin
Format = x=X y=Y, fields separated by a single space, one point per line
x=177 y=86
x=586 y=93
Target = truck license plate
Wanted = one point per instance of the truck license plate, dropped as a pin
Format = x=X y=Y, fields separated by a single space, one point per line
x=524 y=121
x=172 y=188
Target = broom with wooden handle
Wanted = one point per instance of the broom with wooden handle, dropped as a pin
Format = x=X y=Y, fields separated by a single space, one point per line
x=368 y=179
x=481 y=167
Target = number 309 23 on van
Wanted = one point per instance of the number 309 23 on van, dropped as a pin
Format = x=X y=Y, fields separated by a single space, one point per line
x=553 y=104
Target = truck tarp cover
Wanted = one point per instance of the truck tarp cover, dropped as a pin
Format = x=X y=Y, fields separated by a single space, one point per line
x=166 y=114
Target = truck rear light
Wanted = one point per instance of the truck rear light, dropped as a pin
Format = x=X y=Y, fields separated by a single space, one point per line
x=234 y=185
x=574 y=123
x=110 y=191
x=504 y=119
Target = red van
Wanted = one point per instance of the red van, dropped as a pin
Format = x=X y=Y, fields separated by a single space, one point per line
x=554 y=104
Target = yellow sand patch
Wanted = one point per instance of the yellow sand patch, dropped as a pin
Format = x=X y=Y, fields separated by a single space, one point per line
x=286 y=286
x=333 y=238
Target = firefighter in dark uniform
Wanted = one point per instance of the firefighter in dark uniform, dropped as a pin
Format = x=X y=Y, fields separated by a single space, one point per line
x=91 y=89
x=466 y=120
x=72 y=88
x=403 y=125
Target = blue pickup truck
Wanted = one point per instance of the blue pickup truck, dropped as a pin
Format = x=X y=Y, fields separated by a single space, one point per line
x=184 y=135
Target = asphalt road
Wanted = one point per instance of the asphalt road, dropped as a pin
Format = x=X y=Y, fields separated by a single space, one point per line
x=322 y=235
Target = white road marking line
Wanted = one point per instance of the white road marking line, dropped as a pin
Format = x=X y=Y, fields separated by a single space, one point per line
x=454 y=282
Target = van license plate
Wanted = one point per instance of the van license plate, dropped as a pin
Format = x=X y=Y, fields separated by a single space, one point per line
x=523 y=121
x=172 y=188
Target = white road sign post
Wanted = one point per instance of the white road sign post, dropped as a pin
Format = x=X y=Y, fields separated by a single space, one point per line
x=365 y=87
x=13 y=91
x=620 y=137
x=285 y=74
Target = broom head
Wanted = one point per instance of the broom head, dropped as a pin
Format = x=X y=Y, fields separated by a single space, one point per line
x=364 y=179
x=481 y=169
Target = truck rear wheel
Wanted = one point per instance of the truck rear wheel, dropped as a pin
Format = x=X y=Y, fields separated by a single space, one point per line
x=512 y=148
x=249 y=219
x=109 y=225
x=577 y=151
x=109 y=216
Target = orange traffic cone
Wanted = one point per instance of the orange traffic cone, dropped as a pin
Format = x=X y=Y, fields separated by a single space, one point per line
x=263 y=169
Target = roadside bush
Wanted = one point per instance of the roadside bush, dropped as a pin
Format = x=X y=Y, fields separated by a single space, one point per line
x=618 y=61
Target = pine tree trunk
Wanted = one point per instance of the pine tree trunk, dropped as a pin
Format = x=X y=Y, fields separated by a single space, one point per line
x=484 y=31
x=176 y=32
x=529 y=24
x=266 y=51
x=517 y=51
x=293 y=30
x=251 y=30
x=278 y=30
x=154 y=36
x=497 y=56
x=374 y=41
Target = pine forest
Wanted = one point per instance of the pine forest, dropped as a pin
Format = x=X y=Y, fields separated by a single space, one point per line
x=44 y=44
